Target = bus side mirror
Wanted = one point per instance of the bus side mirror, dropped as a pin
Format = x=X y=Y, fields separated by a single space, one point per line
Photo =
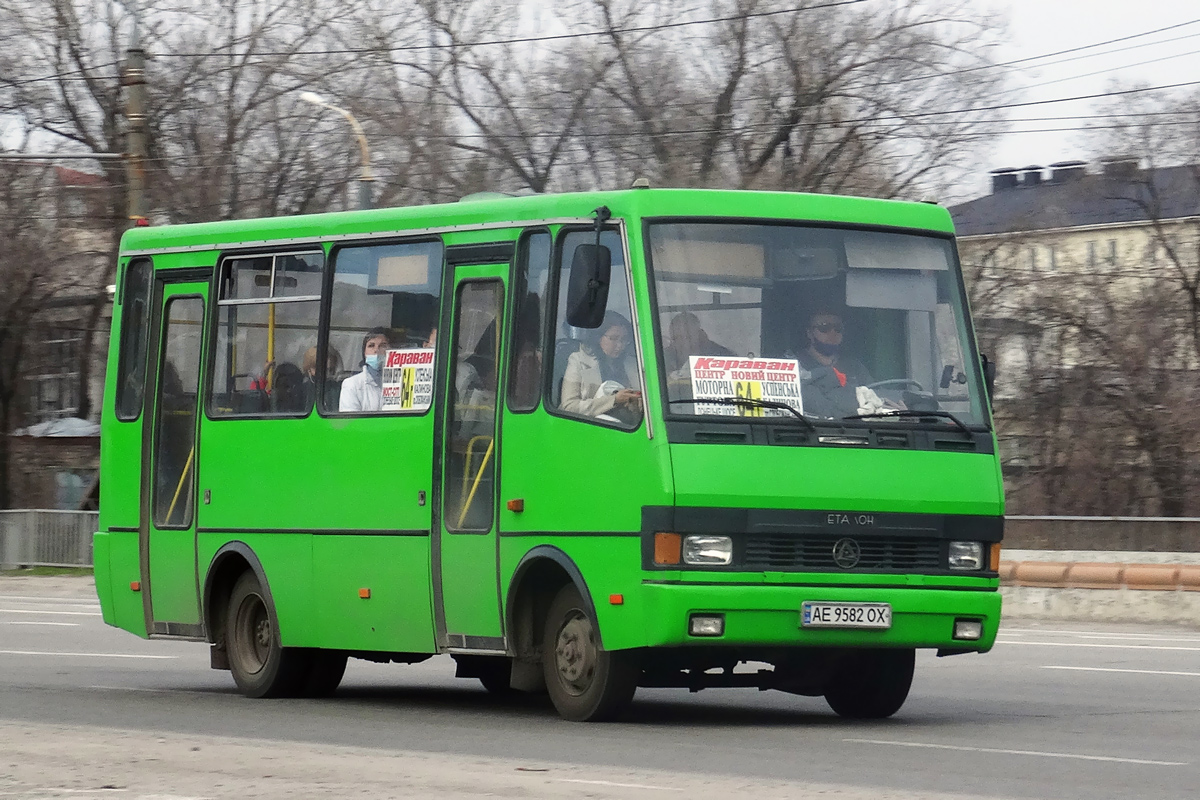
x=989 y=375
x=587 y=290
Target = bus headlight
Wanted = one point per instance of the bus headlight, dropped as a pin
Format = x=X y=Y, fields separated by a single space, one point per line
x=966 y=556
x=707 y=550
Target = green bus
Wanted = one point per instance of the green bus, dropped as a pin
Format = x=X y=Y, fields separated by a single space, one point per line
x=582 y=443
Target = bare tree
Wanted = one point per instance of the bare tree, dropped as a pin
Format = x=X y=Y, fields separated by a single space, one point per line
x=28 y=227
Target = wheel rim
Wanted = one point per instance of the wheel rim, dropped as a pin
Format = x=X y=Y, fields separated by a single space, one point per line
x=575 y=653
x=253 y=635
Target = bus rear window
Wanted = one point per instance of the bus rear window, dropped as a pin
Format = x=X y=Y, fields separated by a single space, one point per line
x=135 y=321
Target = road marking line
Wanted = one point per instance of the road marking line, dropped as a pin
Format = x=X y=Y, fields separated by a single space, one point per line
x=56 y=613
x=60 y=624
x=47 y=598
x=1106 y=646
x=620 y=785
x=77 y=655
x=1137 y=671
x=1150 y=637
x=146 y=689
x=1041 y=753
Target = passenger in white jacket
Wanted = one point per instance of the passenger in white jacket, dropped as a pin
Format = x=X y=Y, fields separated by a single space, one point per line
x=602 y=376
x=364 y=390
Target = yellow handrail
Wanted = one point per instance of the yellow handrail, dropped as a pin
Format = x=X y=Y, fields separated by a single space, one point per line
x=182 y=477
x=467 y=459
x=475 y=486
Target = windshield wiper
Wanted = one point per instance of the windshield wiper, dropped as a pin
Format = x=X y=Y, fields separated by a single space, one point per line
x=749 y=402
x=913 y=412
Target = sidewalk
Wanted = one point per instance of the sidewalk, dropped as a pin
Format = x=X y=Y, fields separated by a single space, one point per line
x=73 y=586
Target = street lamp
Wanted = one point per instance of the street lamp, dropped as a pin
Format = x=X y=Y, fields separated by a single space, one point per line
x=366 y=179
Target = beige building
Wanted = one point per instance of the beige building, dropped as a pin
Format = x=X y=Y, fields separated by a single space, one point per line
x=1068 y=268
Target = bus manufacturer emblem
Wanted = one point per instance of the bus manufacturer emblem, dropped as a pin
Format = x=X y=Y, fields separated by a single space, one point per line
x=846 y=553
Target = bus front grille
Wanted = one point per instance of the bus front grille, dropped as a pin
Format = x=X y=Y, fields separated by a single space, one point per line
x=791 y=552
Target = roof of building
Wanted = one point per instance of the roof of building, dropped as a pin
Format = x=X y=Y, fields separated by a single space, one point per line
x=1073 y=198
x=73 y=177
x=66 y=426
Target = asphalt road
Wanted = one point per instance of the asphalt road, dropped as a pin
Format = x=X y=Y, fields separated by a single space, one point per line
x=1063 y=711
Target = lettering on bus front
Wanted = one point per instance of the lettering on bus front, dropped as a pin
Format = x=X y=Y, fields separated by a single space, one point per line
x=850 y=519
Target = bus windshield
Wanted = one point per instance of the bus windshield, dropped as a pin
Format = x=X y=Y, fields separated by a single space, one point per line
x=833 y=322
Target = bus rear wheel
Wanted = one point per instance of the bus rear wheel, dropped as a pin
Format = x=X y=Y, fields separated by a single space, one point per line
x=871 y=684
x=585 y=682
x=325 y=671
x=261 y=666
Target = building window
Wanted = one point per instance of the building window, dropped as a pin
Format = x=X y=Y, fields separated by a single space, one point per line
x=1111 y=258
x=1091 y=255
x=1033 y=259
x=1053 y=256
x=53 y=385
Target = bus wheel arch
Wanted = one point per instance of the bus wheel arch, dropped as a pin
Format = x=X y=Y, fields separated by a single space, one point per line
x=540 y=575
x=226 y=567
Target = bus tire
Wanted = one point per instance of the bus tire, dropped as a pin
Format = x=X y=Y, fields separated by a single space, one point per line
x=871 y=684
x=585 y=682
x=326 y=668
x=261 y=666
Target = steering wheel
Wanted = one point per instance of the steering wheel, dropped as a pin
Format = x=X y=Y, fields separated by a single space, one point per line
x=896 y=383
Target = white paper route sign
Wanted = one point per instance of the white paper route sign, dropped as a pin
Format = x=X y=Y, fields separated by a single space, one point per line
x=774 y=379
x=408 y=379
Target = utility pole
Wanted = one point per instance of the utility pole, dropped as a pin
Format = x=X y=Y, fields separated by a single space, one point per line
x=136 y=138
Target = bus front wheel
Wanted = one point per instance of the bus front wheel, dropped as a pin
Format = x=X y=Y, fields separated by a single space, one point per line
x=871 y=684
x=261 y=666
x=585 y=682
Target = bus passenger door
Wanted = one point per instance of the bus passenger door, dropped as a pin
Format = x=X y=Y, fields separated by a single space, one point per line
x=170 y=595
x=467 y=593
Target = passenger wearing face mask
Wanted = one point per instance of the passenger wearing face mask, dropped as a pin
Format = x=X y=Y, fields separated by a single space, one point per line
x=830 y=389
x=363 y=391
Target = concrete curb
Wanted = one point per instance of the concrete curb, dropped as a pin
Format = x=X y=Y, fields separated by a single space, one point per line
x=1098 y=586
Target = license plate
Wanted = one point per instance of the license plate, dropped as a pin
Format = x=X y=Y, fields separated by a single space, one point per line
x=845 y=615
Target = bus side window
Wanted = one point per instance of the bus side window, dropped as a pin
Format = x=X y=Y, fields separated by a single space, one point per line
x=385 y=298
x=267 y=310
x=525 y=368
x=135 y=321
x=595 y=373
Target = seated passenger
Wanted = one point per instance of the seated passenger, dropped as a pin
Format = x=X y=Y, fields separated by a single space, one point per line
x=288 y=392
x=689 y=339
x=363 y=391
x=602 y=374
x=333 y=376
x=830 y=389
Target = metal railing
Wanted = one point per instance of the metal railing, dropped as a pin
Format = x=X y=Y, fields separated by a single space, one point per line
x=46 y=538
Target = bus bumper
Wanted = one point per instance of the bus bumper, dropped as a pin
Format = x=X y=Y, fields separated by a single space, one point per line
x=770 y=616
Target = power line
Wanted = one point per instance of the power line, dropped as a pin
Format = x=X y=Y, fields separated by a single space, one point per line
x=548 y=38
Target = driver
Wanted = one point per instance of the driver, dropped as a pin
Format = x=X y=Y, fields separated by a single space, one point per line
x=830 y=390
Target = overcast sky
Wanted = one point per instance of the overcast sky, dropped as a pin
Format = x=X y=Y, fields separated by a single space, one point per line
x=1039 y=27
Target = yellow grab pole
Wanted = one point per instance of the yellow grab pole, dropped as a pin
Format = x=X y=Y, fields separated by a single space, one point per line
x=478 y=475
x=186 y=468
x=270 y=344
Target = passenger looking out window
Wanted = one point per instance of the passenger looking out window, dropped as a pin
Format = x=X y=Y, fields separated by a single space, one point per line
x=363 y=391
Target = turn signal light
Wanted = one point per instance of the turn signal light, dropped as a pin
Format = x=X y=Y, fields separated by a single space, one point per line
x=365 y=594
x=994 y=558
x=667 y=548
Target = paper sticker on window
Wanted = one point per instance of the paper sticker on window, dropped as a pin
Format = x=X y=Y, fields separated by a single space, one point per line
x=773 y=380
x=408 y=379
